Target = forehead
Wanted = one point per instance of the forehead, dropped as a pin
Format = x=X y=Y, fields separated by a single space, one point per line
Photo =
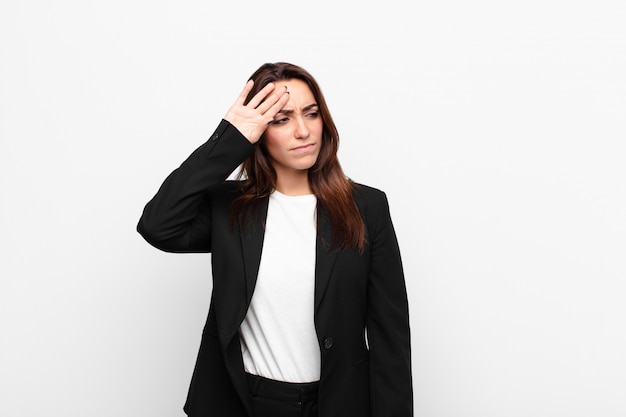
x=299 y=91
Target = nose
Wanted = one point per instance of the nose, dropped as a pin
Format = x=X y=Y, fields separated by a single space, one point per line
x=302 y=130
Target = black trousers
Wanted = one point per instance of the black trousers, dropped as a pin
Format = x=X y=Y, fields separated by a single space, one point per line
x=272 y=398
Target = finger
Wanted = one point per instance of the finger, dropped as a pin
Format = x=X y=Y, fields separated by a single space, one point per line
x=244 y=93
x=261 y=95
x=272 y=100
x=276 y=107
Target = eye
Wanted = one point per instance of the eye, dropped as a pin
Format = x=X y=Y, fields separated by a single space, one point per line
x=279 y=121
x=312 y=115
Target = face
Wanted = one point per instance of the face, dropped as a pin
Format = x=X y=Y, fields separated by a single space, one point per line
x=294 y=138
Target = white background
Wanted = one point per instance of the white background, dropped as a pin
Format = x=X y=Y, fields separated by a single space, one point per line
x=497 y=129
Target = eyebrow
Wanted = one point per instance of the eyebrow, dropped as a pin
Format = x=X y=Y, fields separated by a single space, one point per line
x=304 y=109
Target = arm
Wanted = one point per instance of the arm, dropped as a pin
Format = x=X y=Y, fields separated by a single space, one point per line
x=388 y=323
x=178 y=218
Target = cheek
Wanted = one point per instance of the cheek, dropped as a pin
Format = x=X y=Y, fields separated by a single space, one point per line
x=318 y=127
x=272 y=144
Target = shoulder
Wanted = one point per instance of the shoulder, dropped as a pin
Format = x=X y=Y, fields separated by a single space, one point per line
x=368 y=194
x=374 y=208
x=371 y=201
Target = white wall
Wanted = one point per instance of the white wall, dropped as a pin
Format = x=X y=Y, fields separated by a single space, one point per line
x=496 y=128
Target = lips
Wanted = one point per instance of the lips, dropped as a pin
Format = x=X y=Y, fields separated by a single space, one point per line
x=304 y=147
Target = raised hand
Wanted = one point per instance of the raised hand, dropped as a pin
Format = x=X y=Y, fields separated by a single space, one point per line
x=253 y=118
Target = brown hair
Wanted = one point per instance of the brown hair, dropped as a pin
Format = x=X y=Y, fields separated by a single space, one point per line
x=328 y=182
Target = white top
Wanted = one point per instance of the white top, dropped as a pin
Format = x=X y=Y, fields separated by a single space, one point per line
x=278 y=338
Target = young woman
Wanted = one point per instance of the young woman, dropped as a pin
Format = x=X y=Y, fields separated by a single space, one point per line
x=309 y=312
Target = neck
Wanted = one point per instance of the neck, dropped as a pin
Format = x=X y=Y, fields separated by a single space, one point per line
x=294 y=184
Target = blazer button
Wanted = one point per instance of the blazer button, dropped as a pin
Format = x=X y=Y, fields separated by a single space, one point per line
x=328 y=343
x=215 y=136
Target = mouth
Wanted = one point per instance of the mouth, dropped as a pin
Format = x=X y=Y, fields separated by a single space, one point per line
x=304 y=147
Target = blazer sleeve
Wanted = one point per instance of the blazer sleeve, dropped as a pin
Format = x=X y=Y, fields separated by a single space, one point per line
x=388 y=322
x=178 y=217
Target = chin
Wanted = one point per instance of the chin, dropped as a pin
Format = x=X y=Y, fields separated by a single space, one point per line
x=308 y=164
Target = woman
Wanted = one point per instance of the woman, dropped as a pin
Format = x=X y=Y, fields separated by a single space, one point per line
x=309 y=312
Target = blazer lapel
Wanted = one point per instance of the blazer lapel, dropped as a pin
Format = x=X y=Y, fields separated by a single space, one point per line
x=324 y=257
x=252 y=234
x=252 y=230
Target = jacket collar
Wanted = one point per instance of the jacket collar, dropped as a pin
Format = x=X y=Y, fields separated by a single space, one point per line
x=252 y=230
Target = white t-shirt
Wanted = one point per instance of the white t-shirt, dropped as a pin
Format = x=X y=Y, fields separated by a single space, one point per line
x=278 y=338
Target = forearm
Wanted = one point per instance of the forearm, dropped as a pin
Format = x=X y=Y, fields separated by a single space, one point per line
x=176 y=219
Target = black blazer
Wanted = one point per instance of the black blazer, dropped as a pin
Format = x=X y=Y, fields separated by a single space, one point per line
x=361 y=309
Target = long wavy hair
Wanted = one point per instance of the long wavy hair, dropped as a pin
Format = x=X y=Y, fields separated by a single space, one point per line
x=333 y=190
